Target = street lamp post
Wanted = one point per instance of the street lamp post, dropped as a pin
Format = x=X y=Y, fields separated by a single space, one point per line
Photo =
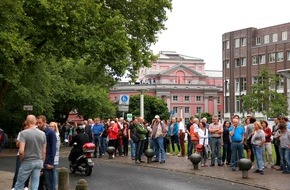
x=142 y=102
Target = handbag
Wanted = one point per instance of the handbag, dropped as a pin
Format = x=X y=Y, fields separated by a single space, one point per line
x=200 y=147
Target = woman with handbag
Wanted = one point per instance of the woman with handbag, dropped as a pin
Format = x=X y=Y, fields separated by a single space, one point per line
x=203 y=141
x=193 y=132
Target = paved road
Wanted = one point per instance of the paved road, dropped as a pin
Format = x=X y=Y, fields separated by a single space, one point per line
x=111 y=176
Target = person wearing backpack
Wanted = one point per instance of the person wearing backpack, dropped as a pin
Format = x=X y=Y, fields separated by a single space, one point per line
x=142 y=130
x=132 y=134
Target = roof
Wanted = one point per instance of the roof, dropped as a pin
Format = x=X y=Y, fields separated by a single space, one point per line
x=172 y=55
x=213 y=73
x=179 y=66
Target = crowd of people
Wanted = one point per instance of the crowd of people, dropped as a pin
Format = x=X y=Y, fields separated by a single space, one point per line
x=222 y=144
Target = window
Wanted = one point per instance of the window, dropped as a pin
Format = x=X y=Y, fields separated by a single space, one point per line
x=258 y=40
x=272 y=57
x=275 y=37
x=219 y=114
x=288 y=55
x=227 y=63
x=175 y=109
x=175 y=98
x=186 y=120
x=186 y=109
x=243 y=41
x=198 y=110
x=243 y=62
x=262 y=59
x=266 y=39
x=237 y=104
x=284 y=35
x=255 y=60
x=218 y=100
x=280 y=57
x=198 y=98
x=227 y=86
x=228 y=44
x=237 y=43
x=254 y=80
x=237 y=85
x=243 y=84
x=186 y=98
x=237 y=63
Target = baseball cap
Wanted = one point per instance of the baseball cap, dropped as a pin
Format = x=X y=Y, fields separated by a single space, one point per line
x=157 y=117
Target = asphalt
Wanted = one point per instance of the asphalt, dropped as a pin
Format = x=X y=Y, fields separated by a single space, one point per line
x=271 y=180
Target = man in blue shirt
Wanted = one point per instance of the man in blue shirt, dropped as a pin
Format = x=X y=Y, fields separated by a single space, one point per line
x=236 y=138
x=98 y=129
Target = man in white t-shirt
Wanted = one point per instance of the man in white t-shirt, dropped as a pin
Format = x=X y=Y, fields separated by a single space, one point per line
x=181 y=134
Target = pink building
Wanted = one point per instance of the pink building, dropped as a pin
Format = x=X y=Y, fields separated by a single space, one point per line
x=182 y=82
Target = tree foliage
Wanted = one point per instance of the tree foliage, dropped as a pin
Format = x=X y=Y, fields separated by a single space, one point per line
x=264 y=96
x=152 y=106
x=65 y=54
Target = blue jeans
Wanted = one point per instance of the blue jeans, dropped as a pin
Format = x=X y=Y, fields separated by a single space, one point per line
x=29 y=168
x=97 y=142
x=285 y=159
x=159 y=148
x=258 y=152
x=216 y=145
x=46 y=180
x=236 y=149
x=133 y=149
x=104 y=144
x=55 y=175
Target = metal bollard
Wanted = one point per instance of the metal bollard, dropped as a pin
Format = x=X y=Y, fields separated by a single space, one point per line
x=195 y=159
x=245 y=165
x=82 y=185
x=63 y=179
x=149 y=153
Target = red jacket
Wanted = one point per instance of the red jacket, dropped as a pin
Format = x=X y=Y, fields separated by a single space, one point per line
x=113 y=132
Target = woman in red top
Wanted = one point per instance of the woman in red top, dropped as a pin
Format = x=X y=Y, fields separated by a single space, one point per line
x=113 y=135
x=267 y=153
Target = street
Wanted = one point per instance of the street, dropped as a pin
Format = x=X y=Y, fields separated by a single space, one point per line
x=110 y=176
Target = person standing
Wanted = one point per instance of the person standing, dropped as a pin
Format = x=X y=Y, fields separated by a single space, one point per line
x=47 y=179
x=173 y=133
x=203 y=139
x=125 y=137
x=32 y=151
x=258 y=140
x=98 y=129
x=158 y=132
x=284 y=137
x=276 y=142
x=24 y=126
x=53 y=126
x=216 y=131
x=113 y=135
x=236 y=133
x=189 y=144
x=181 y=135
x=226 y=158
x=88 y=129
x=142 y=130
x=267 y=152
x=132 y=143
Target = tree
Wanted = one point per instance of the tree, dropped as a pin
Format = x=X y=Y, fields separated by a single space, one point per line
x=55 y=54
x=152 y=106
x=263 y=96
x=207 y=115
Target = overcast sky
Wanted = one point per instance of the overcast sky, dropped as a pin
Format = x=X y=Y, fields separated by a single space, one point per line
x=195 y=28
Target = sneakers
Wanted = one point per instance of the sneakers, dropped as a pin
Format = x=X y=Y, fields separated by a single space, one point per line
x=137 y=162
x=162 y=161
x=256 y=171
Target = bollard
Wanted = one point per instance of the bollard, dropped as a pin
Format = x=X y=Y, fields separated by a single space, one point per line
x=195 y=159
x=149 y=153
x=110 y=150
x=244 y=165
x=82 y=185
x=63 y=179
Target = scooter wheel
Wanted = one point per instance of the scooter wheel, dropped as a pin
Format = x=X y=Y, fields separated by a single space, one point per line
x=88 y=171
x=72 y=169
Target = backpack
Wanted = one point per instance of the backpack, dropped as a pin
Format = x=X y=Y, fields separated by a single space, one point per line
x=135 y=135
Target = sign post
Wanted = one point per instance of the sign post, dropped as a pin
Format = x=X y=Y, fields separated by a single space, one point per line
x=124 y=103
x=27 y=108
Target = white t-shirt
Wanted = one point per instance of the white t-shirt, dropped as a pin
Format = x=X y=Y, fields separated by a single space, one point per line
x=181 y=126
x=203 y=137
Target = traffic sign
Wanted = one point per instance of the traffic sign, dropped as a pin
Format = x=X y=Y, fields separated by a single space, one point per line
x=124 y=99
x=27 y=107
x=124 y=108
x=129 y=116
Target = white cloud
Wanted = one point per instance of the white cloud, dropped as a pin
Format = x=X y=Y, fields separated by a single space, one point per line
x=195 y=28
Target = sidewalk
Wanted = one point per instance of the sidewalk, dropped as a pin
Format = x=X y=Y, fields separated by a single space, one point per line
x=271 y=180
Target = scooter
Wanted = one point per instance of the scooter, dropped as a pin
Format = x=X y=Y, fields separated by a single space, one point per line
x=84 y=162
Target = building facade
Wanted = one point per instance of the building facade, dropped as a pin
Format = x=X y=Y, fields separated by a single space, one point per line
x=245 y=53
x=181 y=82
